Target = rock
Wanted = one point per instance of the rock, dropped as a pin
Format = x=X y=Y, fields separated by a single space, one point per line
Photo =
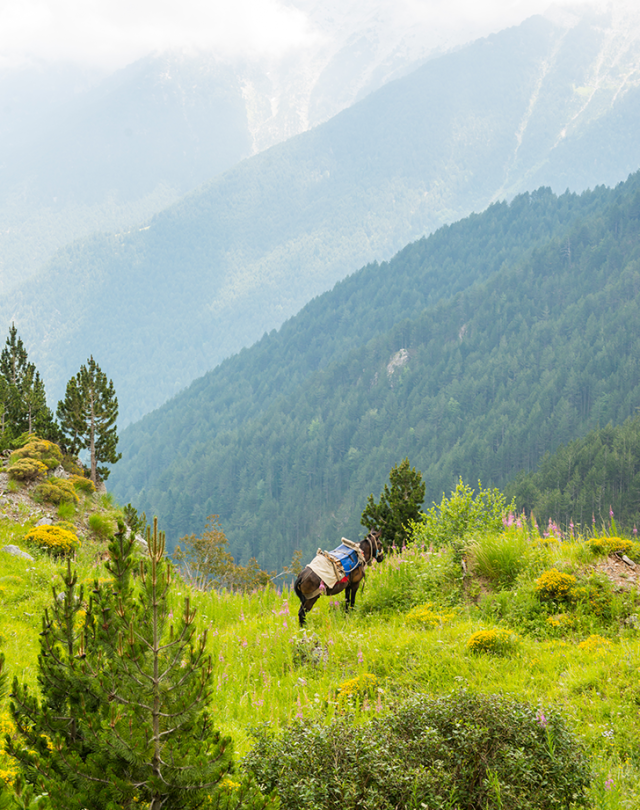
x=45 y=521
x=142 y=543
x=60 y=472
x=629 y=562
x=17 y=552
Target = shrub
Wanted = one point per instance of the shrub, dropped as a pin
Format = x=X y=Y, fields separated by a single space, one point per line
x=609 y=545
x=463 y=513
x=82 y=484
x=53 y=539
x=465 y=751
x=27 y=469
x=555 y=586
x=40 y=450
x=496 y=641
x=56 y=491
x=425 y=616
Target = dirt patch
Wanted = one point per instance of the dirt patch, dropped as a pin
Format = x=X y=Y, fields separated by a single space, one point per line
x=622 y=575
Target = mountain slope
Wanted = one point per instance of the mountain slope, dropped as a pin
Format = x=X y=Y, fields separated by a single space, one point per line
x=239 y=256
x=480 y=385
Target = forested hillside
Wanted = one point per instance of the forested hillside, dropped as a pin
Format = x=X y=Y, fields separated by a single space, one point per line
x=479 y=385
x=239 y=256
x=586 y=480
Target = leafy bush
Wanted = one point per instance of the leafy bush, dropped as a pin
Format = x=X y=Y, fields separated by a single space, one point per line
x=555 y=586
x=41 y=450
x=465 y=751
x=82 y=484
x=56 y=491
x=463 y=513
x=407 y=579
x=497 y=641
x=27 y=469
x=53 y=539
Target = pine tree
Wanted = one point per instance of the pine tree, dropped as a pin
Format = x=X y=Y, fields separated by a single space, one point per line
x=22 y=394
x=397 y=506
x=87 y=417
x=122 y=721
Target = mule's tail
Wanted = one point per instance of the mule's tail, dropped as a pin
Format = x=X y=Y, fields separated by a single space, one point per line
x=298 y=591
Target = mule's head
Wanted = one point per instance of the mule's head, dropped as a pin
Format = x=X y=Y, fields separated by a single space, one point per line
x=375 y=543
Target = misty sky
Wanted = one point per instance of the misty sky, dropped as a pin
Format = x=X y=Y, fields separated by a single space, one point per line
x=112 y=33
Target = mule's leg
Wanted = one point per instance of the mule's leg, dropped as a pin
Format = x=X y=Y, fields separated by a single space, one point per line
x=305 y=607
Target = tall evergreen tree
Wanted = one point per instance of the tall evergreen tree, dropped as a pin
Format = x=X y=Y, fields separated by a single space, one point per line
x=22 y=395
x=397 y=506
x=122 y=721
x=87 y=417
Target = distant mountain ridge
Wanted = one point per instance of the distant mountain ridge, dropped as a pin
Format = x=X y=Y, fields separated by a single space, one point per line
x=472 y=352
x=238 y=256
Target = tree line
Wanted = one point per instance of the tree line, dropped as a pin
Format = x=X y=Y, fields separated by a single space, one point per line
x=86 y=417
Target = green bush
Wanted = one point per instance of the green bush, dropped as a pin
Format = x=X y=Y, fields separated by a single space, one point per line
x=461 y=514
x=82 y=484
x=496 y=641
x=465 y=751
x=41 y=450
x=27 y=469
x=56 y=491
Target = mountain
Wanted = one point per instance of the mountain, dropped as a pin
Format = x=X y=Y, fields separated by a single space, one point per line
x=164 y=303
x=472 y=352
x=85 y=150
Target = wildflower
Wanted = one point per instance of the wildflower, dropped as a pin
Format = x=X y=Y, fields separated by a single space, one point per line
x=542 y=720
x=360 y=657
x=608 y=784
x=244 y=642
x=322 y=587
x=610 y=511
x=635 y=531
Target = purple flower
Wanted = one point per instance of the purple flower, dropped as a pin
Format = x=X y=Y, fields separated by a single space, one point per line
x=608 y=784
x=244 y=642
x=635 y=531
x=610 y=511
x=542 y=720
x=360 y=657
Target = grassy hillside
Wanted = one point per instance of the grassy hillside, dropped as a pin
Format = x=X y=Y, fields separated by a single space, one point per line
x=575 y=655
x=237 y=257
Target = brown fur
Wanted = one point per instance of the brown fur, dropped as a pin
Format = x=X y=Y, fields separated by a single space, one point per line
x=307 y=582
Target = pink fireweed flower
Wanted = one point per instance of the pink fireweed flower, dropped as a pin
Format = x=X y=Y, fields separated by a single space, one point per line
x=608 y=784
x=610 y=511
x=322 y=587
x=542 y=720
x=360 y=657
x=635 y=531
x=244 y=642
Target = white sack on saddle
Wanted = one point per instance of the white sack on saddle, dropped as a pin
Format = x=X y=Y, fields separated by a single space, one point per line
x=325 y=569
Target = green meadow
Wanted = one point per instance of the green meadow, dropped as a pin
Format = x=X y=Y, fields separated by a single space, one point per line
x=553 y=622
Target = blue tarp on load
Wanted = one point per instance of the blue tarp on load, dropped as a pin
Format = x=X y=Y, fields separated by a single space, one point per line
x=347 y=556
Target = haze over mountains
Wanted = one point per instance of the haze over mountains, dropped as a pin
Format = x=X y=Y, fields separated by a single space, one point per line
x=540 y=104
x=83 y=149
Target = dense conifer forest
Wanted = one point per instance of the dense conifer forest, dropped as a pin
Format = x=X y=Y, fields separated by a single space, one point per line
x=474 y=373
